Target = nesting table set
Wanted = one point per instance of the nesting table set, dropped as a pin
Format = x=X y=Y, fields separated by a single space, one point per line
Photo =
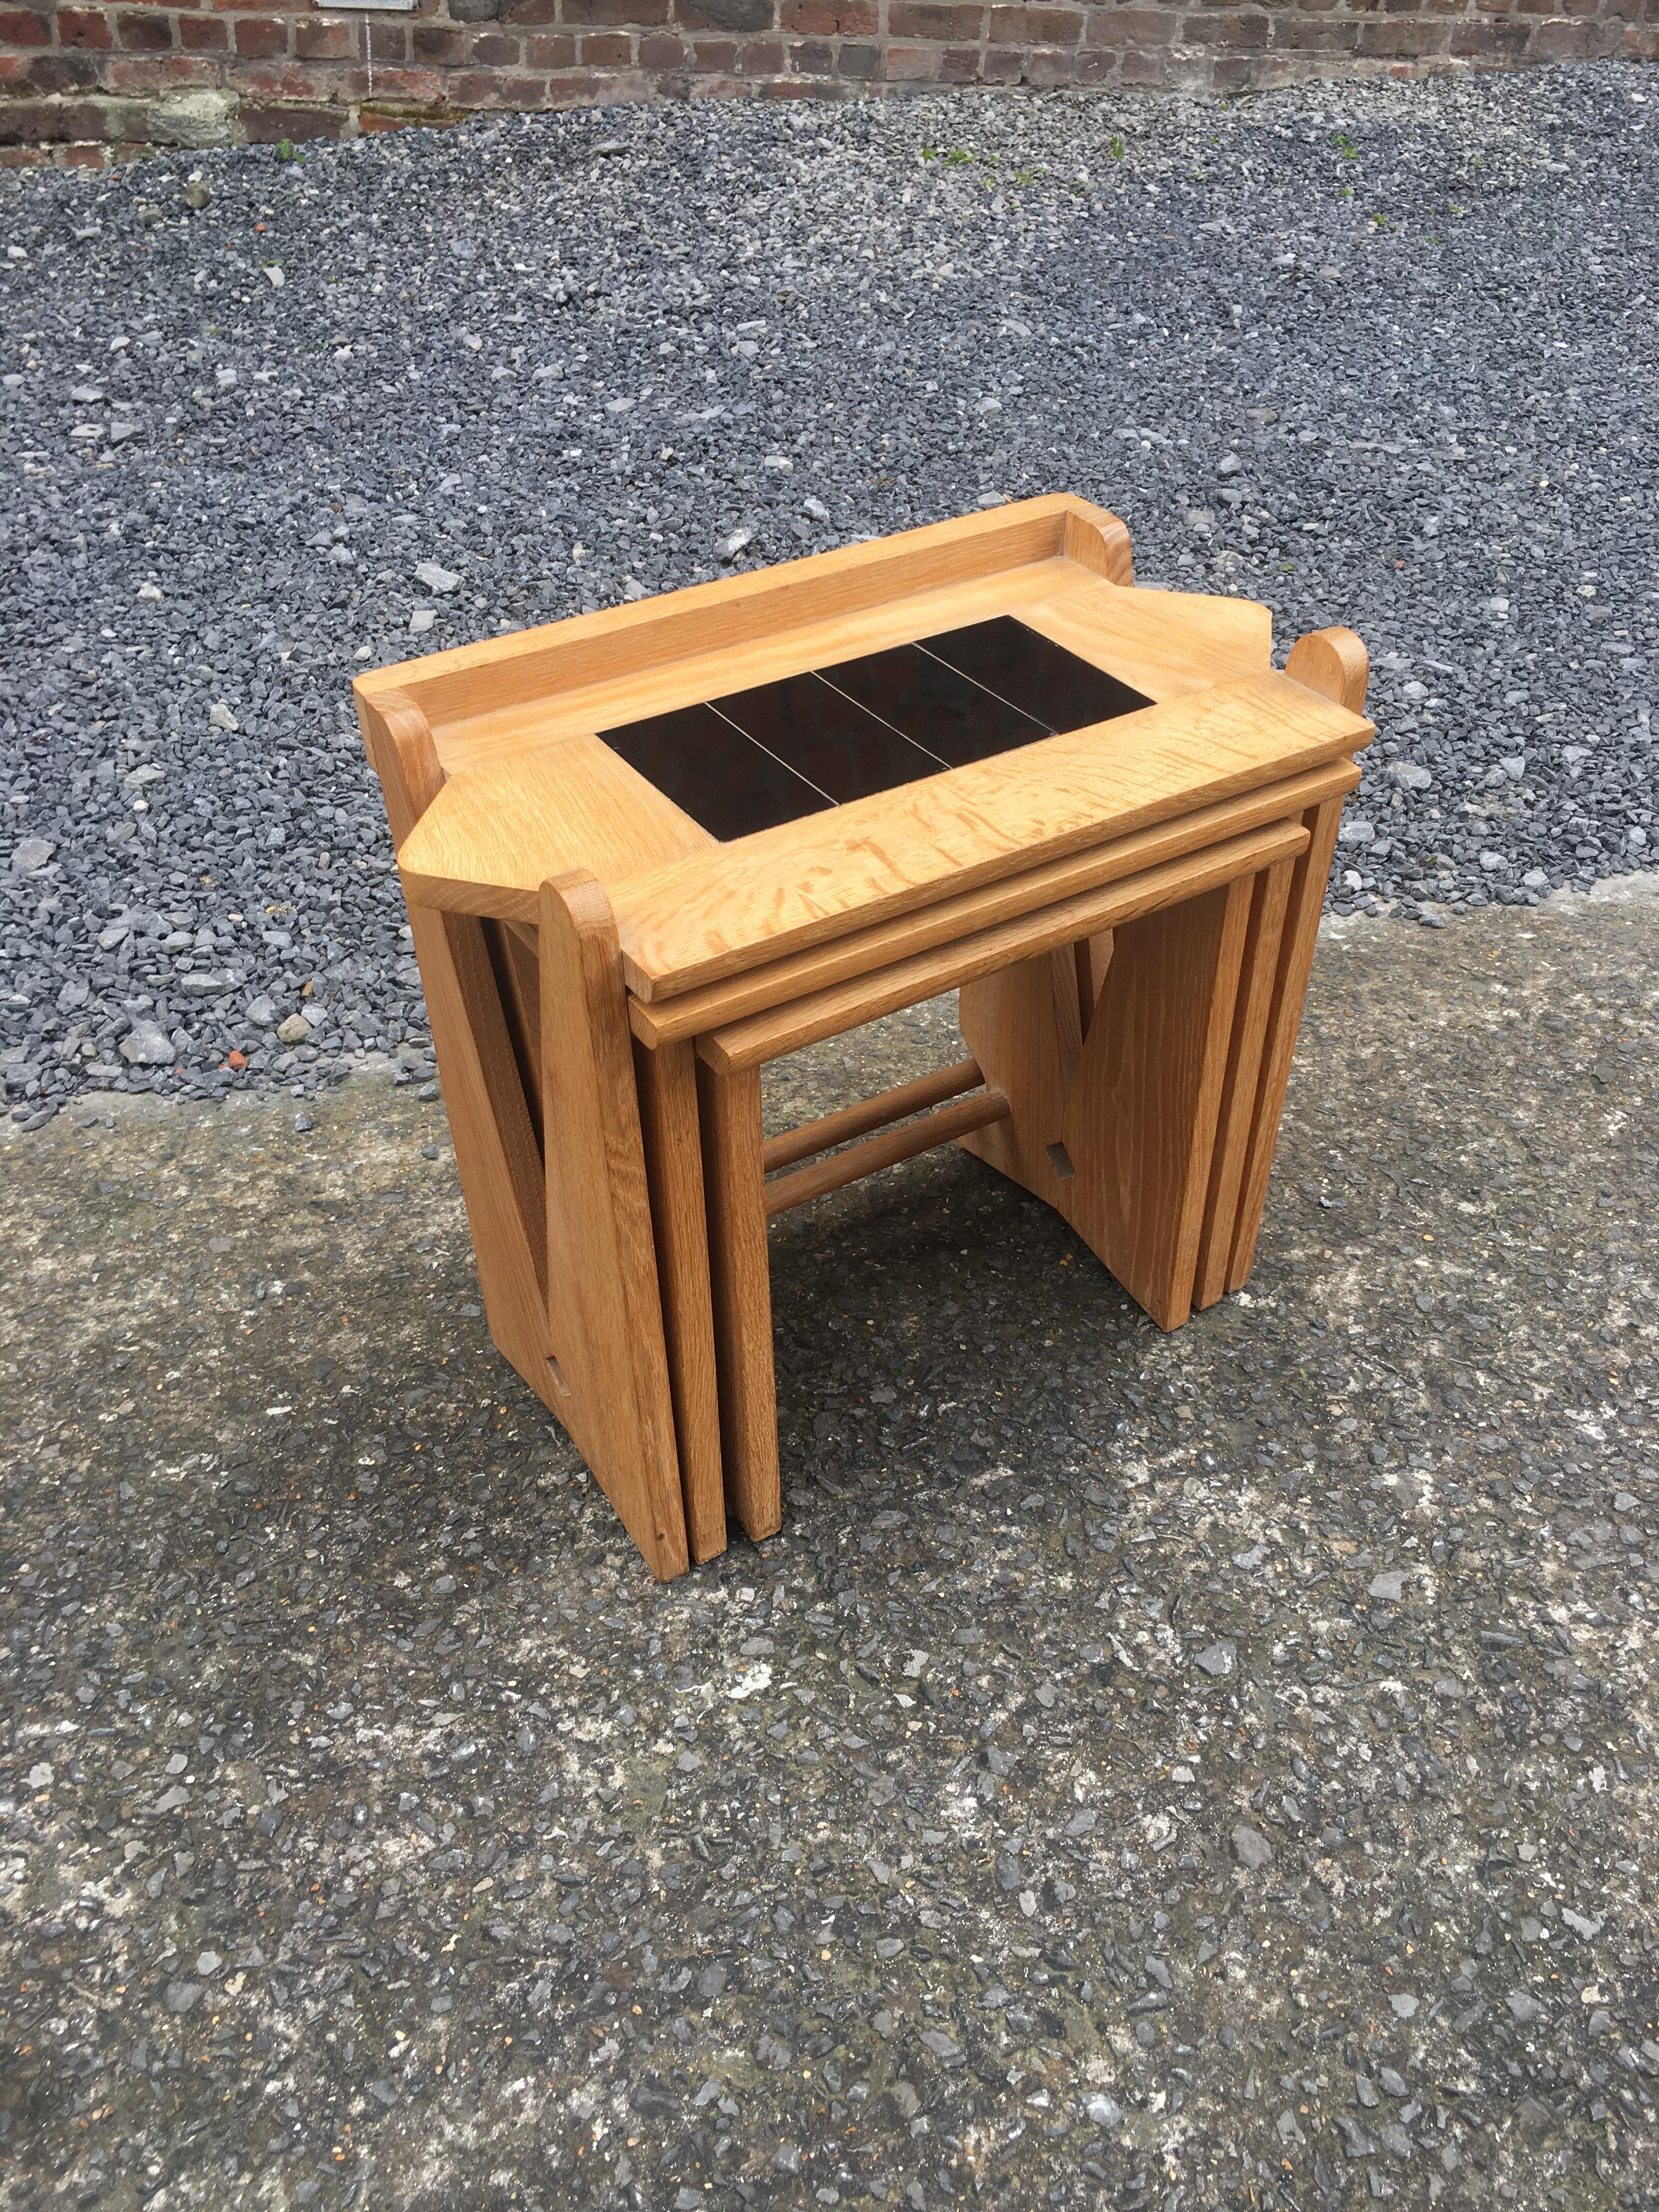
x=647 y=851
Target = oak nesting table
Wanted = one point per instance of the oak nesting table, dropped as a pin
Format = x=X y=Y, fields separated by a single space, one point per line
x=647 y=851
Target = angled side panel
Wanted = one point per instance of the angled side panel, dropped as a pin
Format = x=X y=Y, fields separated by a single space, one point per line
x=496 y=1154
x=604 y=1313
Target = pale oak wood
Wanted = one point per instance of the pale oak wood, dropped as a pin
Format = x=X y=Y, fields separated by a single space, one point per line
x=604 y=1308
x=1122 y=1147
x=661 y=1021
x=1335 y=664
x=863 y=997
x=839 y=1128
x=472 y=682
x=735 y=1189
x=942 y=1127
x=1301 y=932
x=1236 y=1121
x=576 y=804
x=714 y=915
x=497 y=1152
x=667 y=1084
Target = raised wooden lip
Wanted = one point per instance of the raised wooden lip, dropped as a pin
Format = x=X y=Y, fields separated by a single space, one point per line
x=981 y=823
x=559 y=656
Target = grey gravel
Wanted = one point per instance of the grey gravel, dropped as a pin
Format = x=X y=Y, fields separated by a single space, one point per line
x=1383 y=356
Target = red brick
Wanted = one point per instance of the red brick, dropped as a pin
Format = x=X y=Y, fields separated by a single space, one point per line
x=605 y=50
x=958 y=65
x=31 y=123
x=156 y=73
x=857 y=62
x=933 y=19
x=261 y=37
x=580 y=91
x=661 y=50
x=269 y=126
x=1043 y=27
x=911 y=64
x=726 y=15
x=555 y=50
x=1002 y=65
x=439 y=44
x=418 y=87
x=204 y=35
x=532 y=11
x=1233 y=29
x=1144 y=70
x=21 y=27
x=1130 y=27
x=24 y=157
x=63 y=72
x=143 y=31
x=83 y=27
x=1380 y=40
x=813 y=58
x=640 y=15
x=299 y=81
x=320 y=41
x=484 y=89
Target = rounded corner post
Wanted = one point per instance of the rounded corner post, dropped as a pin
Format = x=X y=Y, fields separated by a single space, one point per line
x=1333 y=663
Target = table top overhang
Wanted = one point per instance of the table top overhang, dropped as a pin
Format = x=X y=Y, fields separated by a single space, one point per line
x=533 y=792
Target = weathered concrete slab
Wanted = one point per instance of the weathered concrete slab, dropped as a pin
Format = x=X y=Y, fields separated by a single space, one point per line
x=1210 y=1770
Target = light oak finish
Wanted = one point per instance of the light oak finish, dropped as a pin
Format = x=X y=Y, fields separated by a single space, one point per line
x=604 y=1310
x=1129 y=912
x=1335 y=664
x=735 y=1185
x=862 y=952
x=667 y=1085
x=1334 y=661
x=942 y=1127
x=1120 y=1143
x=496 y=1150
x=474 y=694
x=865 y=998
x=1236 y=1121
x=896 y=1105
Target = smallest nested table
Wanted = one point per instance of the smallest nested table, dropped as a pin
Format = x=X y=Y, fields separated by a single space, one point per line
x=646 y=852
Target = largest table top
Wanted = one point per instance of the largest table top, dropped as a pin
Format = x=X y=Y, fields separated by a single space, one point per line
x=533 y=792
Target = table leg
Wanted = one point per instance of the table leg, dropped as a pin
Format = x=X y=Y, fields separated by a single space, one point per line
x=1300 y=934
x=667 y=1080
x=734 y=1181
x=1235 y=1125
x=603 y=1309
x=1140 y=1124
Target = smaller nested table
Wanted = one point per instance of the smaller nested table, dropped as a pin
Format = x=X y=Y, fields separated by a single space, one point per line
x=647 y=851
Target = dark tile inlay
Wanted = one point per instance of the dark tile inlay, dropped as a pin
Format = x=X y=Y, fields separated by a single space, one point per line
x=828 y=737
x=728 y=786
x=934 y=705
x=780 y=750
x=1021 y=665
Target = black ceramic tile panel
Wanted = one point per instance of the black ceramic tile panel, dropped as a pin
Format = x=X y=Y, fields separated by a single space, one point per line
x=934 y=706
x=827 y=738
x=772 y=754
x=1031 y=671
x=727 y=785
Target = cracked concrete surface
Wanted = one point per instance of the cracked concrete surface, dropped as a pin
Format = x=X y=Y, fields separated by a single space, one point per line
x=1213 y=1770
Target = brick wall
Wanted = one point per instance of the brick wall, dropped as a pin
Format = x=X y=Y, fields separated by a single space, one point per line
x=98 y=78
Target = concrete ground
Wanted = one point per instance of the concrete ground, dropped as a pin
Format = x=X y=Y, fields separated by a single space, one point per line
x=1212 y=1770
